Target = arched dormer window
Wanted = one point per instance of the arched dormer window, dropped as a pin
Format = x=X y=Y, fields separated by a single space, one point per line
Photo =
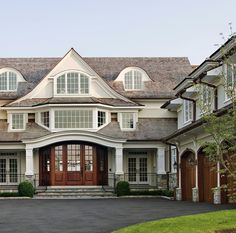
x=133 y=78
x=9 y=78
x=72 y=83
x=8 y=81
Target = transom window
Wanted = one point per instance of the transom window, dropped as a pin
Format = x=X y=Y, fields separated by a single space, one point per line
x=128 y=120
x=72 y=83
x=188 y=111
x=44 y=116
x=133 y=80
x=17 y=121
x=74 y=119
x=8 y=81
x=101 y=118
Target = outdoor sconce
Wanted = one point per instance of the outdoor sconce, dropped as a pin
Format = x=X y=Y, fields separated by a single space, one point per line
x=192 y=162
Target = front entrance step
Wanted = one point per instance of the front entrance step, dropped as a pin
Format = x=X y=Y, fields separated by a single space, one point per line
x=71 y=192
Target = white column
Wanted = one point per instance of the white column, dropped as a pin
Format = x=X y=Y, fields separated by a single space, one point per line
x=29 y=165
x=218 y=174
x=161 y=161
x=119 y=161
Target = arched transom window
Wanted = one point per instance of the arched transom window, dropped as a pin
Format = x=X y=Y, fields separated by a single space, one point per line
x=133 y=80
x=8 y=81
x=72 y=83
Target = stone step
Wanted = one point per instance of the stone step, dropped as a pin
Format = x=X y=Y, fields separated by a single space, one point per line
x=75 y=193
x=72 y=197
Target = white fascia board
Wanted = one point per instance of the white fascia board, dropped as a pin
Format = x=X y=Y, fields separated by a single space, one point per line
x=226 y=48
x=187 y=82
x=73 y=105
x=203 y=68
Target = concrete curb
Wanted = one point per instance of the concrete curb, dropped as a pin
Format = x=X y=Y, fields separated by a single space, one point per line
x=146 y=196
x=15 y=198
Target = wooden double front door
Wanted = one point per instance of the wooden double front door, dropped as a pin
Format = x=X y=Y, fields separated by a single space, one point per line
x=72 y=164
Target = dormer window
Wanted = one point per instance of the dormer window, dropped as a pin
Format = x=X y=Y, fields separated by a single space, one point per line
x=8 y=81
x=72 y=83
x=188 y=111
x=133 y=80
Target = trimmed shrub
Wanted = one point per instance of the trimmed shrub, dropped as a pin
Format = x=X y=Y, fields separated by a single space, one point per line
x=122 y=188
x=26 y=189
x=9 y=194
x=168 y=193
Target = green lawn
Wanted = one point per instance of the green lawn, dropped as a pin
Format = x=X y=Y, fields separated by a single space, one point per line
x=206 y=223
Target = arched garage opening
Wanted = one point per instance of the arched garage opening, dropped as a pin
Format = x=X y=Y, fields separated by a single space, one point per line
x=188 y=170
x=207 y=177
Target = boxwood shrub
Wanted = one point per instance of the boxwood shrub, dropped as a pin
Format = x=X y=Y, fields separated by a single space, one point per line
x=9 y=194
x=122 y=188
x=26 y=189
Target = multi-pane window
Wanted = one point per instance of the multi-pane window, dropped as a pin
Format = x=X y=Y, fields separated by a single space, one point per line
x=73 y=83
x=8 y=81
x=133 y=80
x=88 y=152
x=59 y=158
x=206 y=99
x=17 y=121
x=101 y=118
x=61 y=84
x=73 y=157
x=128 y=120
x=73 y=119
x=44 y=116
x=188 y=110
x=230 y=80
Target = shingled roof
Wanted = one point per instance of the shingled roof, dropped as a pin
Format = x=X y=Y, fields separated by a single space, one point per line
x=165 y=73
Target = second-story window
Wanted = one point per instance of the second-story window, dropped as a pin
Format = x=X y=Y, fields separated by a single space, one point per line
x=44 y=118
x=72 y=83
x=128 y=120
x=8 y=81
x=74 y=119
x=133 y=80
x=17 y=122
x=101 y=118
x=230 y=81
x=188 y=111
x=206 y=99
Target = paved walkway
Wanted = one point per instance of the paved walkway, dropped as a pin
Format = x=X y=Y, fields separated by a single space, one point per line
x=95 y=216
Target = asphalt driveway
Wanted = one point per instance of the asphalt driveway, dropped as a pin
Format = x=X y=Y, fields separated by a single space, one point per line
x=96 y=216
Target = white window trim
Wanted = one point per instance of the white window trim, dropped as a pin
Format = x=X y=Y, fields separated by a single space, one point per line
x=72 y=94
x=8 y=157
x=133 y=89
x=25 y=119
x=225 y=70
x=184 y=112
x=120 y=119
x=19 y=78
x=40 y=122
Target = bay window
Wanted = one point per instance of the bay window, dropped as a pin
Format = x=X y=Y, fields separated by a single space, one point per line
x=77 y=119
x=101 y=118
x=44 y=118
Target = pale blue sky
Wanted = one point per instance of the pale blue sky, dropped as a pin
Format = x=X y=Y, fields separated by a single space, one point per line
x=114 y=27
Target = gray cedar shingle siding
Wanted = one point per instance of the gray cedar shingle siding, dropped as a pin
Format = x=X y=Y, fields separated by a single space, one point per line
x=165 y=73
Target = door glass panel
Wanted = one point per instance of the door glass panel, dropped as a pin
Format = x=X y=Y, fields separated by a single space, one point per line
x=143 y=169
x=58 y=158
x=73 y=157
x=3 y=174
x=88 y=152
x=132 y=169
x=13 y=170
